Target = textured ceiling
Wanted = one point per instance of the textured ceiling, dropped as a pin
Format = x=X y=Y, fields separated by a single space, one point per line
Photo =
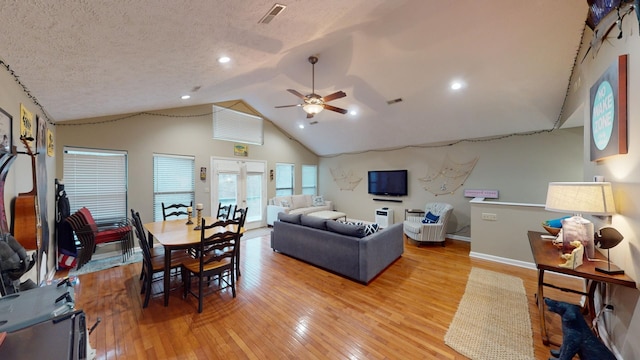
x=91 y=58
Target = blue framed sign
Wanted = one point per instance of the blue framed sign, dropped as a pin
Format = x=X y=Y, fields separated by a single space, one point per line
x=608 y=100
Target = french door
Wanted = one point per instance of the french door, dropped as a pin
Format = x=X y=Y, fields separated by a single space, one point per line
x=241 y=183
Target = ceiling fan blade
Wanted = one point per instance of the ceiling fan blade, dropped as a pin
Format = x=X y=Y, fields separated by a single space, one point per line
x=284 y=106
x=335 y=95
x=296 y=93
x=336 y=109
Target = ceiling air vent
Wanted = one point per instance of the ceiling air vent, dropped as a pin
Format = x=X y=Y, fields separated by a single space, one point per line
x=394 y=101
x=275 y=10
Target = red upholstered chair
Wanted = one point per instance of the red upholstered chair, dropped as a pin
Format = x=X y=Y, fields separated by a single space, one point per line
x=90 y=234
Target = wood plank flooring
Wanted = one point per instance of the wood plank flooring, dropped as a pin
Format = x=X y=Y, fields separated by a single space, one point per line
x=287 y=309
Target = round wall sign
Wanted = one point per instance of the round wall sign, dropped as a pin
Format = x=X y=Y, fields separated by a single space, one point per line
x=603 y=115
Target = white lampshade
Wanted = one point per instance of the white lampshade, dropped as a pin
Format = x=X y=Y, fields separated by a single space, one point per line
x=595 y=198
x=312 y=108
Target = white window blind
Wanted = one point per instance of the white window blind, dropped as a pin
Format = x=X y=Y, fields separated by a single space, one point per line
x=309 y=179
x=97 y=180
x=173 y=181
x=284 y=179
x=231 y=125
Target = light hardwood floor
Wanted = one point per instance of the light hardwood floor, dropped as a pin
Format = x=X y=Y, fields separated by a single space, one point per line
x=289 y=309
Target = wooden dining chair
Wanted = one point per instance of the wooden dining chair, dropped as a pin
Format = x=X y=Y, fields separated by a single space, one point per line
x=224 y=212
x=239 y=214
x=176 y=210
x=152 y=265
x=217 y=256
x=139 y=232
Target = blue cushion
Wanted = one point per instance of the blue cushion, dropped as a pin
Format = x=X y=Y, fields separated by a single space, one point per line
x=346 y=229
x=430 y=218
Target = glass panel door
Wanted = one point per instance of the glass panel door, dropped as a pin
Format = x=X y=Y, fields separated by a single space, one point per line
x=240 y=183
x=227 y=189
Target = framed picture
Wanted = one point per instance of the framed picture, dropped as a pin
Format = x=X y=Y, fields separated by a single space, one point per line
x=26 y=124
x=6 y=132
x=608 y=100
x=240 y=150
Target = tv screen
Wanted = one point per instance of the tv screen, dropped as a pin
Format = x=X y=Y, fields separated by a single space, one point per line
x=388 y=182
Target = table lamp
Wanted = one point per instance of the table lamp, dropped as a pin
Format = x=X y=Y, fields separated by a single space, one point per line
x=594 y=198
x=606 y=238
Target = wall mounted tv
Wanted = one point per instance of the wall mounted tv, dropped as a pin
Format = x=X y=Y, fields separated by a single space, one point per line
x=388 y=182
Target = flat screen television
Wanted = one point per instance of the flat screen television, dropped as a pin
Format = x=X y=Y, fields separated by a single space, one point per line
x=388 y=182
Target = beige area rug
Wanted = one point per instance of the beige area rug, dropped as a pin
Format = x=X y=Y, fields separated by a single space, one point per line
x=254 y=233
x=492 y=320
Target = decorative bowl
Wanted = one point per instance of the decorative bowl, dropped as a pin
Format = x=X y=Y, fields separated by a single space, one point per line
x=551 y=230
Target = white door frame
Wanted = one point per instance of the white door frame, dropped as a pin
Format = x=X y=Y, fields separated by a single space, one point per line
x=242 y=173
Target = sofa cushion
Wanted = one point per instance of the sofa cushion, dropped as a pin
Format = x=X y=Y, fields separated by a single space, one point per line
x=314 y=222
x=284 y=201
x=298 y=201
x=318 y=200
x=346 y=229
x=290 y=218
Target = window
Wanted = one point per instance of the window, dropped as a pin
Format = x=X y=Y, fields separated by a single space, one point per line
x=309 y=179
x=97 y=180
x=173 y=181
x=231 y=125
x=284 y=179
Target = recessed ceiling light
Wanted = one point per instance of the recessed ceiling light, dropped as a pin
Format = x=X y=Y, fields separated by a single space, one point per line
x=301 y=126
x=353 y=112
x=224 y=59
x=456 y=85
x=185 y=97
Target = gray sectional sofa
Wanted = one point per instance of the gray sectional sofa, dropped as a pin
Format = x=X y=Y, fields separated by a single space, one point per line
x=337 y=247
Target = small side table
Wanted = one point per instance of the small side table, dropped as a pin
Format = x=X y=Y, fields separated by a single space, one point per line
x=547 y=258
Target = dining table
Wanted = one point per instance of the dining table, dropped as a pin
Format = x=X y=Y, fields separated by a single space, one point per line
x=176 y=235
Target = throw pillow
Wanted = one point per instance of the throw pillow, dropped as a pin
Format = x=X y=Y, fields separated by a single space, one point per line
x=429 y=218
x=345 y=229
x=349 y=222
x=318 y=200
x=371 y=229
x=284 y=203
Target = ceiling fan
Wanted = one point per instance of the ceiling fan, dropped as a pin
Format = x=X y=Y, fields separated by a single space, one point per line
x=314 y=103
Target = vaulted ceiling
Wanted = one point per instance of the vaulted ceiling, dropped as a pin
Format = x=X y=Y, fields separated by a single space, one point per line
x=84 y=59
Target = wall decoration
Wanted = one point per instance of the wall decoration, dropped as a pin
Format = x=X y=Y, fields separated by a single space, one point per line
x=608 y=110
x=6 y=132
x=449 y=177
x=240 y=150
x=26 y=123
x=345 y=180
x=43 y=181
x=50 y=148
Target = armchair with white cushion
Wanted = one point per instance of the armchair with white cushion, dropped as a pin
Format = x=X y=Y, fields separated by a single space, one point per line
x=432 y=226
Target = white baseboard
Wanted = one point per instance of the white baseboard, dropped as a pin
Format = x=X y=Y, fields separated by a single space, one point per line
x=458 y=237
x=503 y=260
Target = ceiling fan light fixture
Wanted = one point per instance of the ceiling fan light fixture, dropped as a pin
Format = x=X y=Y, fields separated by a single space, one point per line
x=312 y=109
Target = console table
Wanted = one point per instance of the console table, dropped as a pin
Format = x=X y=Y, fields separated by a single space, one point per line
x=547 y=258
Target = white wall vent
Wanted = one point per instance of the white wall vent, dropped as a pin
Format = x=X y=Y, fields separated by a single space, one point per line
x=273 y=12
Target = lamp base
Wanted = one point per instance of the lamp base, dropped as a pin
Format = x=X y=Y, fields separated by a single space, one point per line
x=610 y=269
